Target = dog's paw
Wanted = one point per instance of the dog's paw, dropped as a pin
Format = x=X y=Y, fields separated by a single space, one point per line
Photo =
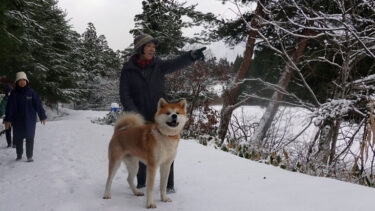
x=139 y=193
x=106 y=197
x=151 y=206
x=166 y=199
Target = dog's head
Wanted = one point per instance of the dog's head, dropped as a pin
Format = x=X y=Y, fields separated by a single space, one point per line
x=171 y=117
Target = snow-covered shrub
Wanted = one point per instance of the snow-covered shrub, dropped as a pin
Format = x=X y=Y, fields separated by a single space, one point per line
x=202 y=123
x=109 y=119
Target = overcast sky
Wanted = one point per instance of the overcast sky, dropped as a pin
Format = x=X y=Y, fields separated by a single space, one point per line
x=115 y=18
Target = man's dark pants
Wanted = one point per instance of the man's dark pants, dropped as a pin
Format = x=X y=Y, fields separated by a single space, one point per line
x=141 y=176
x=19 y=147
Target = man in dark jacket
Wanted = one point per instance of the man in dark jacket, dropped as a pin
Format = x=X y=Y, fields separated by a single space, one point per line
x=142 y=85
x=3 y=104
x=23 y=105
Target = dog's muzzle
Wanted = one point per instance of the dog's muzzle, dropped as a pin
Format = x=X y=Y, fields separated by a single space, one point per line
x=174 y=122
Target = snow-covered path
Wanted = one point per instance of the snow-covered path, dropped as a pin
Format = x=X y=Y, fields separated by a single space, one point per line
x=70 y=170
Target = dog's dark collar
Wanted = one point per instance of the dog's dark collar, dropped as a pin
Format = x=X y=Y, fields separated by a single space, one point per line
x=174 y=136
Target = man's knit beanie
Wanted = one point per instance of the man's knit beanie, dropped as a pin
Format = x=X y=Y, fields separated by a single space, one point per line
x=141 y=40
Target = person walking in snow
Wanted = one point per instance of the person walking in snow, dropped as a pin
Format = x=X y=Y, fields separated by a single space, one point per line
x=3 y=104
x=23 y=105
x=142 y=85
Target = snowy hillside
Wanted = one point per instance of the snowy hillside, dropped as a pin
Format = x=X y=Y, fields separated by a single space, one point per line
x=70 y=170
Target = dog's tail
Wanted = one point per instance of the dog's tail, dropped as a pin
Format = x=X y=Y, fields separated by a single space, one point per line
x=129 y=120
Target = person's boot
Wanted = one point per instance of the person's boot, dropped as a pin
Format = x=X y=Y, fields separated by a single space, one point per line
x=171 y=190
x=18 y=158
x=30 y=159
x=140 y=186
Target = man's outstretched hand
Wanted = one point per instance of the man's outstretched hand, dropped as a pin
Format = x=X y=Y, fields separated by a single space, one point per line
x=198 y=54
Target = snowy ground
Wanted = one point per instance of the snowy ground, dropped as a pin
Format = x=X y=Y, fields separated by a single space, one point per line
x=70 y=170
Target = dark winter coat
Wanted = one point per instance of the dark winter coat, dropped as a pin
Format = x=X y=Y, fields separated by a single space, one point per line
x=23 y=105
x=141 y=88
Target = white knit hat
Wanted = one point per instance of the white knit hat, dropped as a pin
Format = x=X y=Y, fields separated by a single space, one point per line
x=21 y=75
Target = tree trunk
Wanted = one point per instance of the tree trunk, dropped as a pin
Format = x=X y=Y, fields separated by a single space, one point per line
x=231 y=95
x=324 y=141
x=335 y=134
x=327 y=142
x=269 y=114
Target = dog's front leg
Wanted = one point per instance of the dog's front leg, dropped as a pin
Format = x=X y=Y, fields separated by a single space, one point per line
x=164 y=173
x=151 y=172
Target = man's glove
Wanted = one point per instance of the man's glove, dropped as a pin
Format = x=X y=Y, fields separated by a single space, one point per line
x=198 y=54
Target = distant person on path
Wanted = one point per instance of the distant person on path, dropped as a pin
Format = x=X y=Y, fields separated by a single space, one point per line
x=142 y=85
x=3 y=104
x=23 y=105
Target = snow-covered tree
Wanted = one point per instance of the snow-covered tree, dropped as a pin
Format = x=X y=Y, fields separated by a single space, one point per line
x=227 y=30
x=101 y=66
x=326 y=49
x=165 y=21
x=349 y=48
x=36 y=38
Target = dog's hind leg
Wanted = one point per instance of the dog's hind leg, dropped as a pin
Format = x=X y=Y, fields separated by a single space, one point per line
x=164 y=173
x=132 y=166
x=114 y=164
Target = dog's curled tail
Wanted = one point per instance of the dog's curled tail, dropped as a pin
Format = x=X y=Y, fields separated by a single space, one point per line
x=129 y=120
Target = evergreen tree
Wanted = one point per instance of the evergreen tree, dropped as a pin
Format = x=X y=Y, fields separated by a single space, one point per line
x=16 y=27
x=38 y=41
x=101 y=66
x=165 y=20
x=52 y=72
x=36 y=38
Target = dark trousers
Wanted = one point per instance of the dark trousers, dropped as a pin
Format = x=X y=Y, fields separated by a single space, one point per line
x=8 y=134
x=142 y=172
x=29 y=147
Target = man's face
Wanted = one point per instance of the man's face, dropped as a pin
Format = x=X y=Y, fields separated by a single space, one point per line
x=22 y=83
x=148 y=51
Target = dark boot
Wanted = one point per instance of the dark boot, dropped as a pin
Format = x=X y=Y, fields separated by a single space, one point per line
x=141 y=176
x=29 y=147
x=19 y=147
x=170 y=185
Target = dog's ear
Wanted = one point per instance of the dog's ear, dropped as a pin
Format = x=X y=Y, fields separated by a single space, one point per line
x=183 y=103
x=162 y=103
